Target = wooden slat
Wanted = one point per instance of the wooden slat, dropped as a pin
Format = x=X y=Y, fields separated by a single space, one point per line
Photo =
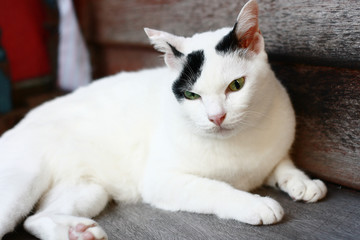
x=323 y=31
x=110 y=59
x=9 y=120
x=327 y=104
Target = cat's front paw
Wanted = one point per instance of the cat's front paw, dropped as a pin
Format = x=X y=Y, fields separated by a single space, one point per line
x=256 y=211
x=306 y=190
x=265 y=211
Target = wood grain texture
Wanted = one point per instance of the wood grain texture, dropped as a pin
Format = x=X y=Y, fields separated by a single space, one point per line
x=327 y=105
x=324 y=31
x=337 y=217
x=110 y=59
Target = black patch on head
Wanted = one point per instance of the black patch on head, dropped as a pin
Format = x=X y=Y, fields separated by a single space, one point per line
x=189 y=74
x=229 y=43
x=175 y=51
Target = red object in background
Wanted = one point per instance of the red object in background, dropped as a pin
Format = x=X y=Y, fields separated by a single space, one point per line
x=24 y=39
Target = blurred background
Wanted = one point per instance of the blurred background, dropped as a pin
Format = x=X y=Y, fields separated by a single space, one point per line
x=28 y=53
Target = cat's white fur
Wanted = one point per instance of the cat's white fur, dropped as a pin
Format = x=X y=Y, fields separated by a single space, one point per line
x=126 y=137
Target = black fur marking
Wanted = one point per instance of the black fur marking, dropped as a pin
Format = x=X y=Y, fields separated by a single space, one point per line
x=189 y=74
x=175 y=51
x=229 y=43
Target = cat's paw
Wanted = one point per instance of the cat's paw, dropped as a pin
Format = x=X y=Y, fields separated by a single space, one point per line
x=306 y=190
x=255 y=211
x=265 y=211
x=87 y=232
x=60 y=227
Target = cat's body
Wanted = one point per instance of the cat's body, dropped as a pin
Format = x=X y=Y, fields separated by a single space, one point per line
x=135 y=136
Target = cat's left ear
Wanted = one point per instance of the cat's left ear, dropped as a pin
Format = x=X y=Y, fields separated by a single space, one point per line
x=171 y=45
x=247 y=28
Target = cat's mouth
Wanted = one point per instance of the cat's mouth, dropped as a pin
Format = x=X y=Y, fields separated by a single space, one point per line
x=221 y=130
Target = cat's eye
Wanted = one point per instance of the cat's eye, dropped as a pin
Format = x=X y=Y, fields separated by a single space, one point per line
x=237 y=84
x=191 y=95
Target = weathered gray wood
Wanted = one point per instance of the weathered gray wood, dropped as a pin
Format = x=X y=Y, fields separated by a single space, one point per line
x=326 y=31
x=327 y=106
x=337 y=217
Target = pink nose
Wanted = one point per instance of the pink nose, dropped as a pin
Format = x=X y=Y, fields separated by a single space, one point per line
x=217 y=119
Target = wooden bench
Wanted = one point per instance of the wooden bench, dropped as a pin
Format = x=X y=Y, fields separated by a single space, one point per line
x=314 y=49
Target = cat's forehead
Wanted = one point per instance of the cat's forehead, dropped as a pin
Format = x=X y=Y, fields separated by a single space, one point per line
x=206 y=41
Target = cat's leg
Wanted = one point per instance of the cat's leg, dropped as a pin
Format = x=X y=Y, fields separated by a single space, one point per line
x=179 y=191
x=65 y=212
x=294 y=182
x=22 y=182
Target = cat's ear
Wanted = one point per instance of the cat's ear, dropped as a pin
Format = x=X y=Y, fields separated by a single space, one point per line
x=171 y=45
x=247 y=28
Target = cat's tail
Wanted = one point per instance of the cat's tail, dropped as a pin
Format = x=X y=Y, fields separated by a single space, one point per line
x=22 y=179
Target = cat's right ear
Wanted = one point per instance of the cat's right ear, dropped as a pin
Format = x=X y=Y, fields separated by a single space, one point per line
x=171 y=45
x=247 y=28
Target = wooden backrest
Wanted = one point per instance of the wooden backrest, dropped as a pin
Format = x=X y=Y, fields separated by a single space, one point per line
x=313 y=46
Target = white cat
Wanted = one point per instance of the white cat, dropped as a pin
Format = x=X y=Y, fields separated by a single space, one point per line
x=196 y=136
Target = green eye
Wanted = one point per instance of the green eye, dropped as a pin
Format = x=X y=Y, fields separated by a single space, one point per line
x=237 y=84
x=191 y=95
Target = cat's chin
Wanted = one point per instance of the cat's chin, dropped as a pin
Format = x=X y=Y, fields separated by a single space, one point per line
x=219 y=132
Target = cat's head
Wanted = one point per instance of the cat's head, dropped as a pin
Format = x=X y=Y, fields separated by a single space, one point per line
x=222 y=85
